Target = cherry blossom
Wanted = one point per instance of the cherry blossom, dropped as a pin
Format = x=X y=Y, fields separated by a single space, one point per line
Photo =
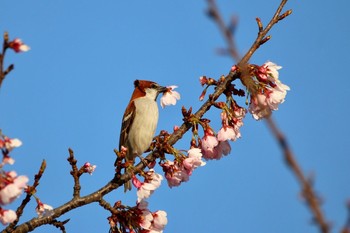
x=270 y=92
x=174 y=173
x=170 y=97
x=227 y=133
x=193 y=160
x=209 y=141
x=230 y=129
x=88 y=168
x=151 y=222
x=43 y=210
x=12 y=188
x=223 y=148
x=159 y=221
x=7 y=216
x=262 y=104
x=177 y=172
x=146 y=188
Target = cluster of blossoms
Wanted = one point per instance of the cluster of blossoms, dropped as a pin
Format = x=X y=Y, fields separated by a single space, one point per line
x=215 y=146
x=266 y=90
x=181 y=169
x=137 y=219
x=148 y=221
x=151 y=222
x=11 y=185
x=266 y=93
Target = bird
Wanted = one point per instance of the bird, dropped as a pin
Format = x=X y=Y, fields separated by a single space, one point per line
x=140 y=121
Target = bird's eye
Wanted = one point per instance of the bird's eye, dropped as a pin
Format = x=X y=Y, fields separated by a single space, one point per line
x=154 y=85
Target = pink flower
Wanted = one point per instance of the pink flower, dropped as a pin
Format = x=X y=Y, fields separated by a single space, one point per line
x=88 y=168
x=170 y=97
x=151 y=222
x=267 y=72
x=262 y=104
x=13 y=188
x=209 y=141
x=43 y=210
x=227 y=133
x=174 y=173
x=7 y=160
x=159 y=221
x=223 y=148
x=9 y=143
x=177 y=172
x=193 y=160
x=272 y=70
x=146 y=188
x=18 y=46
x=7 y=216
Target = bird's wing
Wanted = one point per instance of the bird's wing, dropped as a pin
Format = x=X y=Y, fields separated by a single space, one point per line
x=128 y=117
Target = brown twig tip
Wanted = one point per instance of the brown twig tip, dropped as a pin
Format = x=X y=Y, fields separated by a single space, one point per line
x=75 y=173
x=6 y=37
x=43 y=166
x=263 y=41
x=260 y=25
x=40 y=173
x=9 y=69
x=284 y=15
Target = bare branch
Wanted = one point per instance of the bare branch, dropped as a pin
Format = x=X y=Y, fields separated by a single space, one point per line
x=262 y=33
x=227 y=31
x=75 y=173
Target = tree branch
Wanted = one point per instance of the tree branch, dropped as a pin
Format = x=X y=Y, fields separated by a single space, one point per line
x=118 y=181
x=307 y=189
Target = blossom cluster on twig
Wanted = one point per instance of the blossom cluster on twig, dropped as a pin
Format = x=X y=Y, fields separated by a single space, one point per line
x=11 y=184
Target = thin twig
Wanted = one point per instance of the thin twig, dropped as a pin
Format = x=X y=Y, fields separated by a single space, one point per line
x=60 y=224
x=30 y=191
x=75 y=174
x=213 y=12
x=262 y=33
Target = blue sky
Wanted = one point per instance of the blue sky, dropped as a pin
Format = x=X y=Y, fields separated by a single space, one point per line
x=71 y=89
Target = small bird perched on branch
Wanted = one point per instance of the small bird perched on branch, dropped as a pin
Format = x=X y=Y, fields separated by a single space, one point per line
x=140 y=120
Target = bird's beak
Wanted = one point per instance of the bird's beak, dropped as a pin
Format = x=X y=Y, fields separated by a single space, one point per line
x=161 y=89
